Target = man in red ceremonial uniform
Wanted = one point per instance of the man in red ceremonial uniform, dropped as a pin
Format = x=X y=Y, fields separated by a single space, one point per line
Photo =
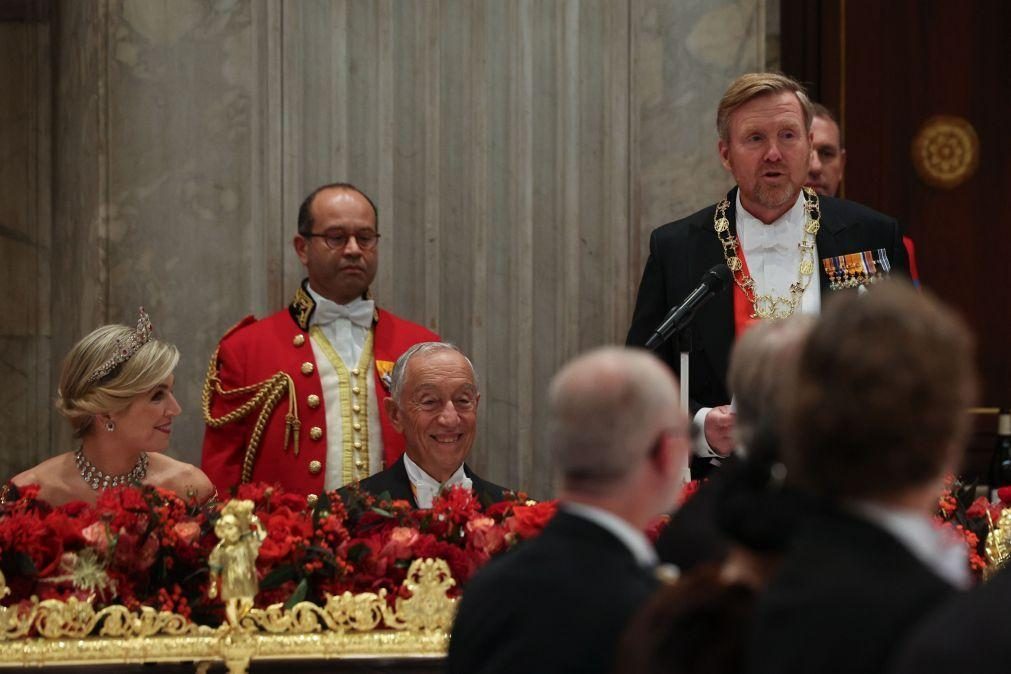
x=296 y=398
x=785 y=245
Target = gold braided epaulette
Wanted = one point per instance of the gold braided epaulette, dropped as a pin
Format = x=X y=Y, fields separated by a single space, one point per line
x=264 y=396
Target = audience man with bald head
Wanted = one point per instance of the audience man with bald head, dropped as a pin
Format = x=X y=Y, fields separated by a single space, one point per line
x=559 y=601
x=433 y=401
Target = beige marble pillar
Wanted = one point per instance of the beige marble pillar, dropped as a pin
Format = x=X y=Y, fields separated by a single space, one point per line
x=25 y=242
x=161 y=175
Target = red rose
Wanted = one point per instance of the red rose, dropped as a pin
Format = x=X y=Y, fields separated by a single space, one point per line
x=1004 y=494
x=528 y=521
x=978 y=508
x=254 y=491
x=498 y=511
x=398 y=546
x=97 y=536
x=294 y=502
x=485 y=535
x=187 y=532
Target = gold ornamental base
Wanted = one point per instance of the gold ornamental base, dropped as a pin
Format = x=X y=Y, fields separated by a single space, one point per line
x=58 y=633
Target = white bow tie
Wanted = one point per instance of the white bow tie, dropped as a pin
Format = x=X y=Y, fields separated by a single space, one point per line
x=357 y=311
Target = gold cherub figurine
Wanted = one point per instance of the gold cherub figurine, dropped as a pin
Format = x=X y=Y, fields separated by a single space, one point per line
x=233 y=560
x=997 y=546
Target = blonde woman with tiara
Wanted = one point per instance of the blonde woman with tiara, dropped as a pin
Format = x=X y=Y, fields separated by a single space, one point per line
x=116 y=392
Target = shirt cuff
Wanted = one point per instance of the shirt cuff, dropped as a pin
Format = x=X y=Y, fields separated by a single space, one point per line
x=701 y=447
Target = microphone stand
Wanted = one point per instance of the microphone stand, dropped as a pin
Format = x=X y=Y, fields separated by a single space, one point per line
x=685 y=347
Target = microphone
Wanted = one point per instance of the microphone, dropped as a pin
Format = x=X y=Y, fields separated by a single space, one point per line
x=713 y=283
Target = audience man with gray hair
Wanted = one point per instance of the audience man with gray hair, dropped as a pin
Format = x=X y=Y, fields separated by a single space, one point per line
x=433 y=401
x=559 y=602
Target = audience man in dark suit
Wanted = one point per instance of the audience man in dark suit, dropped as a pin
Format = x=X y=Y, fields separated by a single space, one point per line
x=560 y=601
x=433 y=402
x=967 y=635
x=874 y=420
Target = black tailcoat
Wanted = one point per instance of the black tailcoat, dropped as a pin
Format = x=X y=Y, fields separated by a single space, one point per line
x=558 y=603
x=681 y=252
x=847 y=595
x=394 y=481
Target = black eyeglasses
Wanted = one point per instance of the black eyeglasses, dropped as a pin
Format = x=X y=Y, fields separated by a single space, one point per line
x=337 y=240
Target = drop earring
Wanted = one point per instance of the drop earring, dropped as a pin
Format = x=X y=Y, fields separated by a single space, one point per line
x=111 y=426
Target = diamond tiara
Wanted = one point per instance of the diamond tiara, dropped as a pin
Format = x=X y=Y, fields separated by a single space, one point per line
x=125 y=347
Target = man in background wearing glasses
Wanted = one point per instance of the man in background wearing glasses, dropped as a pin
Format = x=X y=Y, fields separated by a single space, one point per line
x=296 y=397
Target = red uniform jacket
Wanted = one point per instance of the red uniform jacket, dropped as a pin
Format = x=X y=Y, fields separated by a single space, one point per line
x=254 y=351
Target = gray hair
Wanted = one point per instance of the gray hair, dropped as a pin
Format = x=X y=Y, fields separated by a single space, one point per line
x=398 y=378
x=607 y=408
x=759 y=364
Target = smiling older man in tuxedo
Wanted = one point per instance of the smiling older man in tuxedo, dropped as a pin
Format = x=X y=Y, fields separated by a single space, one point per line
x=433 y=401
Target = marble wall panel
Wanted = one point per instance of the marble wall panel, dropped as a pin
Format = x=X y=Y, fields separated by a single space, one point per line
x=25 y=241
x=183 y=238
x=686 y=54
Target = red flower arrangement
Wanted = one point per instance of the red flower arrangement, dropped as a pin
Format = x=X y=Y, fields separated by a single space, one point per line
x=147 y=547
x=959 y=508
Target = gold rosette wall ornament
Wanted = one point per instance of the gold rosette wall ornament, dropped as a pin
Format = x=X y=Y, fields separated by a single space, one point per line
x=945 y=151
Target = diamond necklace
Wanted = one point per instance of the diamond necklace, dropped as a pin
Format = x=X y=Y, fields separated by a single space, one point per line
x=96 y=479
x=769 y=305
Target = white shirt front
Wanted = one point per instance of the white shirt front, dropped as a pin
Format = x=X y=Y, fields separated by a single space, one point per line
x=348 y=340
x=772 y=253
x=426 y=487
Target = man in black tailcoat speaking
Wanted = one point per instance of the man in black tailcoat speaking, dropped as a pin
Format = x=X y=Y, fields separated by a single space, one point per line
x=786 y=246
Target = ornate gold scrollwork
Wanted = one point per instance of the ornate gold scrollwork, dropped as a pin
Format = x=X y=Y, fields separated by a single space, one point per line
x=346 y=625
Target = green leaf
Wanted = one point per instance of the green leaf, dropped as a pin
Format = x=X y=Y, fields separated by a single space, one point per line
x=25 y=565
x=278 y=577
x=358 y=552
x=299 y=594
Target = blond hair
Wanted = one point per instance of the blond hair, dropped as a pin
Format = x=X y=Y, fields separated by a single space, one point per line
x=751 y=86
x=79 y=399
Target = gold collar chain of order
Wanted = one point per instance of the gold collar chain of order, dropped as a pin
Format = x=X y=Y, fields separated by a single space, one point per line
x=771 y=306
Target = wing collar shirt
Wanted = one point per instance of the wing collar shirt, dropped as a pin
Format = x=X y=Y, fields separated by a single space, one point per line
x=346 y=327
x=772 y=253
x=426 y=487
x=632 y=538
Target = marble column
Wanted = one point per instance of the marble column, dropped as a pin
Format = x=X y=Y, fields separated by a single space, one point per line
x=161 y=114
